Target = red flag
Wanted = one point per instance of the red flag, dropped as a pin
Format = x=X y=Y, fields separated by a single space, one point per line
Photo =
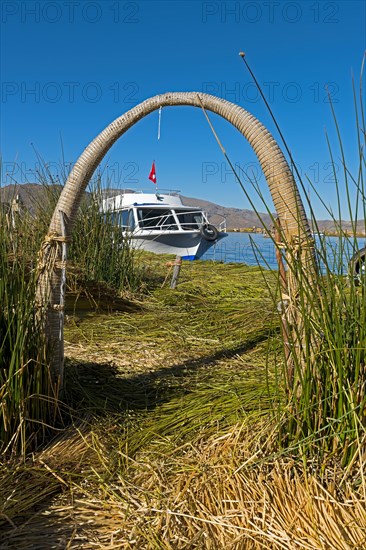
x=152 y=175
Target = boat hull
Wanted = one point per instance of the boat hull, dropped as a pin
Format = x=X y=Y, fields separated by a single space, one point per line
x=189 y=245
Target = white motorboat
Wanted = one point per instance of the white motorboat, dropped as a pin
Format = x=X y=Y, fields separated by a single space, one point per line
x=160 y=223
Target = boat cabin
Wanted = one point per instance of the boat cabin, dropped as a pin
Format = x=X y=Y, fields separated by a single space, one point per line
x=154 y=212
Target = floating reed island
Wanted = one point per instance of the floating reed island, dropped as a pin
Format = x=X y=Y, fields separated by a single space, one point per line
x=227 y=413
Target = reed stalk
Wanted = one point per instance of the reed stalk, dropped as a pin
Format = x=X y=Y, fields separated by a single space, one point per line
x=326 y=387
x=29 y=395
x=28 y=404
x=99 y=250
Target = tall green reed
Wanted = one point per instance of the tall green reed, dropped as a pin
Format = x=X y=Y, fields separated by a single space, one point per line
x=29 y=408
x=99 y=249
x=324 y=330
x=27 y=394
x=326 y=411
x=98 y=252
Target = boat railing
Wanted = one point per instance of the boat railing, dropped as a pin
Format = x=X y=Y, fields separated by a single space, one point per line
x=145 y=191
x=172 y=220
x=222 y=225
x=188 y=220
x=160 y=222
x=196 y=219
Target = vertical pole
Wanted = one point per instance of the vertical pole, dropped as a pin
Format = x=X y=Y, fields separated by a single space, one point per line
x=62 y=298
x=176 y=271
x=284 y=292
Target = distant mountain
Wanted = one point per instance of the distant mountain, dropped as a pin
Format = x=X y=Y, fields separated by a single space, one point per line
x=236 y=218
x=33 y=195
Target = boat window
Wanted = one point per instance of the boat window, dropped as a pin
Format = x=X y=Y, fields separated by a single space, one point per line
x=190 y=220
x=156 y=218
x=120 y=218
x=124 y=219
x=130 y=220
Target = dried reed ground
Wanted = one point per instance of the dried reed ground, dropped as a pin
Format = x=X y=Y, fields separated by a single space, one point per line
x=171 y=444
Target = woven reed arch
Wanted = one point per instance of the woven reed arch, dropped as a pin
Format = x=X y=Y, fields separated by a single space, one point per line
x=284 y=192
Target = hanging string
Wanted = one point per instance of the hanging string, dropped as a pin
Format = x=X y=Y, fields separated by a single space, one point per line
x=159 y=123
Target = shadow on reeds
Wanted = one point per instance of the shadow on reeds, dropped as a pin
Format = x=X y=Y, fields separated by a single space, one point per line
x=93 y=392
x=90 y=300
x=102 y=388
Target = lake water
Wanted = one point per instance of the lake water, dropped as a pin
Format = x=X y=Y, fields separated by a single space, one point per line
x=254 y=249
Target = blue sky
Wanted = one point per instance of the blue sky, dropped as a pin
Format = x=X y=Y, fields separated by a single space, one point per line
x=68 y=68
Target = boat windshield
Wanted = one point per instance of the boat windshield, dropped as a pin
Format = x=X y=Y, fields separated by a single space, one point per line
x=190 y=220
x=162 y=218
x=156 y=218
